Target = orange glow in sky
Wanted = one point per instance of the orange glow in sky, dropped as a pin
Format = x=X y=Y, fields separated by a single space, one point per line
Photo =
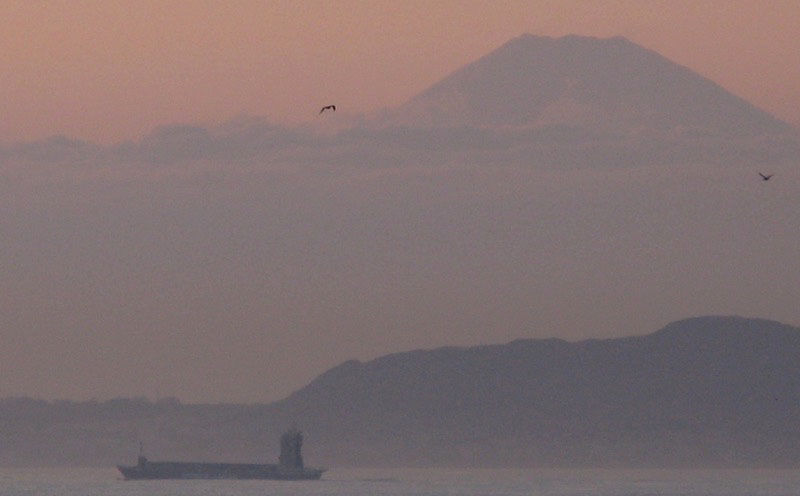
x=109 y=71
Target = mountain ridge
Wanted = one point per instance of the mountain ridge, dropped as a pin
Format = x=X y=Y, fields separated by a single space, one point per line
x=610 y=83
x=567 y=102
x=696 y=324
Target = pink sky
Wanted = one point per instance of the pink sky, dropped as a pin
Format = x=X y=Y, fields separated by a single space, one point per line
x=110 y=71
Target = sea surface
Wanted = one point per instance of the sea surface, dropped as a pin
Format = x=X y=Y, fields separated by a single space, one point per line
x=418 y=482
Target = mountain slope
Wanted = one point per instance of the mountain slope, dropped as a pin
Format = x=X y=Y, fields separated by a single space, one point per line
x=714 y=390
x=612 y=84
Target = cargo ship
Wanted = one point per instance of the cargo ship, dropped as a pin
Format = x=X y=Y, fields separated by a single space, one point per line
x=289 y=467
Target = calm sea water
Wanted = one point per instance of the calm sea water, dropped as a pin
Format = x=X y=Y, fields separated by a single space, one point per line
x=404 y=482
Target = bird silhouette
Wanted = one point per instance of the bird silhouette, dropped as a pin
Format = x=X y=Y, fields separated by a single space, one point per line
x=326 y=107
x=765 y=177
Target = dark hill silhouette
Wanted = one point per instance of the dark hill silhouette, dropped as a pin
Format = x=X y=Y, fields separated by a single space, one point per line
x=714 y=390
x=711 y=391
x=611 y=84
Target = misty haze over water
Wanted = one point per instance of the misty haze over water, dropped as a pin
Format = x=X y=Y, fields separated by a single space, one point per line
x=527 y=226
x=235 y=263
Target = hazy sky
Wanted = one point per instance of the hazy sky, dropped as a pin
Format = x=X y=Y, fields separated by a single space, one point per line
x=113 y=70
x=237 y=259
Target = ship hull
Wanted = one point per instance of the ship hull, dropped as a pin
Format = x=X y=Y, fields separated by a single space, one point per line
x=189 y=470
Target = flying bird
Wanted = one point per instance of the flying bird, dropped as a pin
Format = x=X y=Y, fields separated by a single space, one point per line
x=765 y=177
x=326 y=107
